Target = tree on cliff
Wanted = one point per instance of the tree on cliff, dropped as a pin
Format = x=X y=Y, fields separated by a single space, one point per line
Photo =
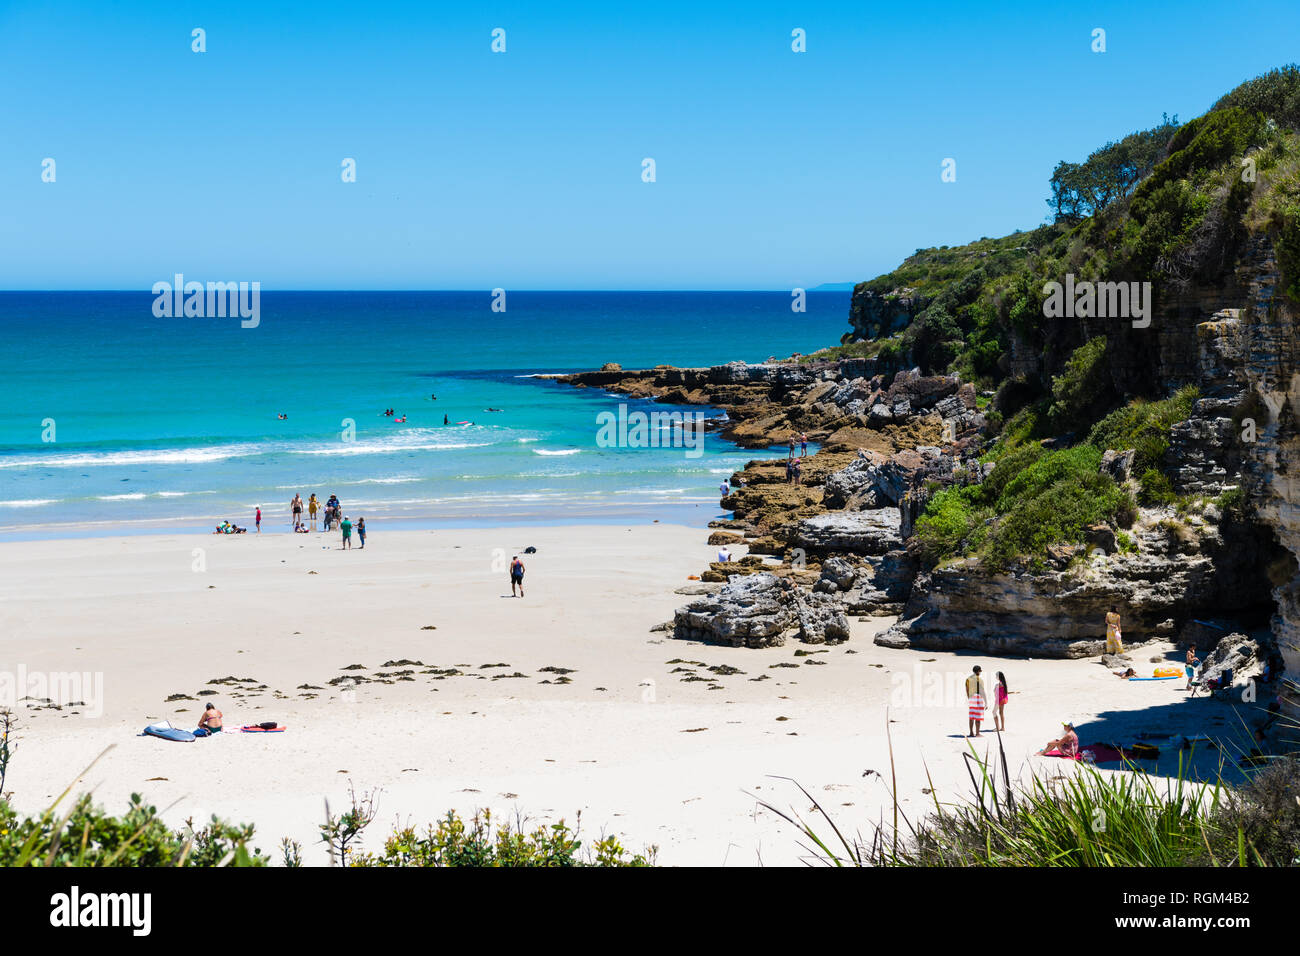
x=1109 y=173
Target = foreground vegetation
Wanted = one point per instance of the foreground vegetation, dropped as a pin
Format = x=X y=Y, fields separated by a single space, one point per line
x=85 y=835
x=1087 y=818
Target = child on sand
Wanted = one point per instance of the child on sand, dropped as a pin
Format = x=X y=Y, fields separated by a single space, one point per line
x=975 y=702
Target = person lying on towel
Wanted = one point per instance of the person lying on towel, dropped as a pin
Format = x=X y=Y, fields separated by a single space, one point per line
x=1066 y=745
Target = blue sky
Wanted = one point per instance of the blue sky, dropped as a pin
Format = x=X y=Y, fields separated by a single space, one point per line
x=523 y=169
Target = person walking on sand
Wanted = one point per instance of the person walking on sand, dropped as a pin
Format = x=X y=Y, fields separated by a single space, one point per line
x=516 y=576
x=1114 y=640
x=361 y=531
x=257 y=519
x=975 y=702
x=1000 y=695
x=346 y=528
x=296 y=507
x=312 y=507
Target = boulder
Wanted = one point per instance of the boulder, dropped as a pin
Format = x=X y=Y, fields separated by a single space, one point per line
x=854 y=532
x=1118 y=464
x=837 y=575
x=753 y=611
x=821 y=618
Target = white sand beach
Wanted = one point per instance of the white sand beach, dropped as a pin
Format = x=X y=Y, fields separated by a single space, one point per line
x=631 y=743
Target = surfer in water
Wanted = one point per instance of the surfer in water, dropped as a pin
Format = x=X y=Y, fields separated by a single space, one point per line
x=445 y=420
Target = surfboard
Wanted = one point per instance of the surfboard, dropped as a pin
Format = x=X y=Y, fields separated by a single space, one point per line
x=166 y=731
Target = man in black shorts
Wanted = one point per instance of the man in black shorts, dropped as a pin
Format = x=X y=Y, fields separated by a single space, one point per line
x=516 y=576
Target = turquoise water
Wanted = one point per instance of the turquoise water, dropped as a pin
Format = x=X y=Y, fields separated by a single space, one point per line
x=172 y=422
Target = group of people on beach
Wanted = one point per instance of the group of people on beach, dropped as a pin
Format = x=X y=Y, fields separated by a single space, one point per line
x=1067 y=745
x=331 y=513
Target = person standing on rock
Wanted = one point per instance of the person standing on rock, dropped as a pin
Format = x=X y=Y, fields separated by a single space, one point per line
x=792 y=446
x=803 y=446
x=798 y=470
x=1114 y=640
x=975 y=702
x=789 y=470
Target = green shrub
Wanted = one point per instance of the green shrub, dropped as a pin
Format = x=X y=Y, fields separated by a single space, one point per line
x=1033 y=498
x=87 y=836
x=1144 y=427
x=481 y=842
x=1045 y=472
x=1061 y=513
x=1155 y=488
x=1275 y=94
x=1077 y=391
x=951 y=524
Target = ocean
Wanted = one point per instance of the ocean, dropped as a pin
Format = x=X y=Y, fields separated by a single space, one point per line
x=113 y=420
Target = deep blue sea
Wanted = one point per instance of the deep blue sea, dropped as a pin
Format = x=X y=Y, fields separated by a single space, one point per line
x=171 y=423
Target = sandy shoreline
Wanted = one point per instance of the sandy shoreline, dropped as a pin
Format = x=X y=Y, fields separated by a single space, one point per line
x=679 y=765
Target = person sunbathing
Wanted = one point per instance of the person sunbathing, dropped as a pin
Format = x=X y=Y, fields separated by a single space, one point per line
x=1067 y=745
x=1125 y=675
x=211 y=719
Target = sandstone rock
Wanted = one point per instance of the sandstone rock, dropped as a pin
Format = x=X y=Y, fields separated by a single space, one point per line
x=855 y=532
x=1098 y=536
x=750 y=612
x=701 y=587
x=854 y=483
x=821 y=618
x=1055 y=613
x=1242 y=654
x=837 y=575
x=1117 y=464
x=725 y=537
